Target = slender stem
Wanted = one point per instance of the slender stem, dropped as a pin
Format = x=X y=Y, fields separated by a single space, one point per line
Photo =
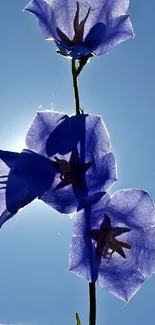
x=92 y=303
x=75 y=86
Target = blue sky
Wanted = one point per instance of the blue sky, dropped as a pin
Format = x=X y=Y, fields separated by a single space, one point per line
x=35 y=286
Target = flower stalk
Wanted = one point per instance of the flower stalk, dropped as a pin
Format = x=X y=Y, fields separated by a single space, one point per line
x=92 y=303
x=75 y=86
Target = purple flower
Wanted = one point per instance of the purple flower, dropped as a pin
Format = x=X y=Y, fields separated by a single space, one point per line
x=70 y=157
x=80 y=28
x=23 y=177
x=114 y=241
x=79 y=149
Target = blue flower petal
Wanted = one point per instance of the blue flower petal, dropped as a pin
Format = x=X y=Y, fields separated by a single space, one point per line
x=96 y=216
x=133 y=208
x=121 y=282
x=35 y=171
x=13 y=194
x=48 y=134
x=104 y=10
x=9 y=158
x=90 y=200
x=117 y=31
x=82 y=263
x=53 y=132
x=128 y=209
x=56 y=135
x=62 y=200
x=104 y=18
x=143 y=250
x=64 y=11
x=52 y=15
x=17 y=195
x=45 y=15
x=102 y=174
x=95 y=36
x=82 y=258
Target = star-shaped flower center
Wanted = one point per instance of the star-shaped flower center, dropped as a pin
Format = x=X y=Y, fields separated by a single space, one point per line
x=71 y=172
x=106 y=241
x=78 y=29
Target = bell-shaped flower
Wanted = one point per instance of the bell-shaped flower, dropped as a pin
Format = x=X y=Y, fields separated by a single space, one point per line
x=82 y=28
x=23 y=177
x=114 y=241
x=78 y=148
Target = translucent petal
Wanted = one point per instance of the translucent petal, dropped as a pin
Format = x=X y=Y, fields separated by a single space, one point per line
x=95 y=36
x=56 y=135
x=45 y=15
x=83 y=259
x=132 y=208
x=35 y=171
x=121 y=282
x=13 y=194
x=117 y=31
x=127 y=209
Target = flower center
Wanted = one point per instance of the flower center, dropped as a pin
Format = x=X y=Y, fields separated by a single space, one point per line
x=78 y=29
x=106 y=241
x=108 y=244
x=68 y=172
x=71 y=172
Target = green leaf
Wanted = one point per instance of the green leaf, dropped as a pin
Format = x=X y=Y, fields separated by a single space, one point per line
x=78 y=322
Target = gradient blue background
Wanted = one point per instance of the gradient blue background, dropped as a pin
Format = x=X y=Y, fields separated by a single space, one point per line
x=35 y=286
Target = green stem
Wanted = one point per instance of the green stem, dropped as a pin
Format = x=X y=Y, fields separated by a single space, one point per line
x=75 y=86
x=92 y=303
